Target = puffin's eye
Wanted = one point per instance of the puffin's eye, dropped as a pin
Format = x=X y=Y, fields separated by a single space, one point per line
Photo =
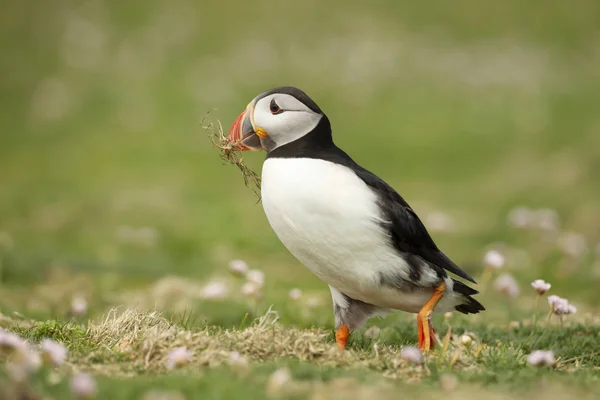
x=274 y=108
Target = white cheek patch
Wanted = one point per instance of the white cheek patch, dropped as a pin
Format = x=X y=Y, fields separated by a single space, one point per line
x=295 y=121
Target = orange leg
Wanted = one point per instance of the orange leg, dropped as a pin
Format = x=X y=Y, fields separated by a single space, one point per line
x=426 y=333
x=341 y=336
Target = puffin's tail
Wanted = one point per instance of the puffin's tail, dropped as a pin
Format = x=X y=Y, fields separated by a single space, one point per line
x=470 y=305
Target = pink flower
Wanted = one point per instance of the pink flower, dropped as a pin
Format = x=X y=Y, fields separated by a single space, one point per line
x=256 y=276
x=10 y=341
x=238 y=267
x=178 y=357
x=79 y=305
x=295 y=294
x=507 y=285
x=493 y=259
x=541 y=358
x=560 y=306
x=540 y=286
x=412 y=355
x=53 y=352
x=278 y=381
x=83 y=386
x=214 y=291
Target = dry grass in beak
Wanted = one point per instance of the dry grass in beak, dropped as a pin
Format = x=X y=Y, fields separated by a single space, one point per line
x=230 y=155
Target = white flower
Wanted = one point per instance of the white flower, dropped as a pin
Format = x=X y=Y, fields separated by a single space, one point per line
x=238 y=362
x=252 y=289
x=25 y=361
x=178 y=357
x=83 y=386
x=520 y=217
x=493 y=259
x=238 y=267
x=412 y=355
x=373 y=332
x=79 y=305
x=560 y=306
x=507 y=285
x=10 y=341
x=256 y=276
x=448 y=316
x=541 y=358
x=466 y=340
x=214 y=291
x=540 y=286
x=278 y=380
x=295 y=294
x=53 y=353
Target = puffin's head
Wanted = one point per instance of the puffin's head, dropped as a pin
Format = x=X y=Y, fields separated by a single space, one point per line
x=274 y=118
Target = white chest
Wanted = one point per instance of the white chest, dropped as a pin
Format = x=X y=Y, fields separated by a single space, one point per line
x=329 y=220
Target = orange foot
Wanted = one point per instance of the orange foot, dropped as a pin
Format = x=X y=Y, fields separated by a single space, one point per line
x=341 y=336
x=426 y=333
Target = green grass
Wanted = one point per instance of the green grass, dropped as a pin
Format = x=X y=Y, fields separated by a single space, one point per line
x=466 y=108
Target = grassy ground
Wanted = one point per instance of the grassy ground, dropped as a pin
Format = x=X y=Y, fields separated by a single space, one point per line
x=110 y=190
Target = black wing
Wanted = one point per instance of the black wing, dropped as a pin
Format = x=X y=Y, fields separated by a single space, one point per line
x=408 y=233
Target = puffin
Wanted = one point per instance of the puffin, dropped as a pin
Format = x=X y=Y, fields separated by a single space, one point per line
x=344 y=223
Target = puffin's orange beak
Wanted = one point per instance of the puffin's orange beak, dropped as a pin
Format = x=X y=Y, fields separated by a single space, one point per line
x=242 y=132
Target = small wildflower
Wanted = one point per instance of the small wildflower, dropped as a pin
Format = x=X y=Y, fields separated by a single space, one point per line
x=373 y=332
x=53 y=353
x=520 y=217
x=541 y=358
x=238 y=362
x=83 y=386
x=79 y=305
x=10 y=342
x=178 y=357
x=507 y=285
x=256 y=276
x=466 y=340
x=412 y=355
x=540 y=286
x=295 y=294
x=252 y=289
x=560 y=306
x=278 y=380
x=493 y=259
x=448 y=316
x=214 y=291
x=238 y=267
x=25 y=361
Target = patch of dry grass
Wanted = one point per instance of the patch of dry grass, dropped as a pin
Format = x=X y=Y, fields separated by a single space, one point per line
x=230 y=154
x=148 y=338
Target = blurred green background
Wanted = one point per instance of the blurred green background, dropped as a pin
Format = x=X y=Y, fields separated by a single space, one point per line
x=109 y=183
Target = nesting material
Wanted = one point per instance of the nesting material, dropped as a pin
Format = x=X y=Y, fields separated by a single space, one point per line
x=230 y=154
